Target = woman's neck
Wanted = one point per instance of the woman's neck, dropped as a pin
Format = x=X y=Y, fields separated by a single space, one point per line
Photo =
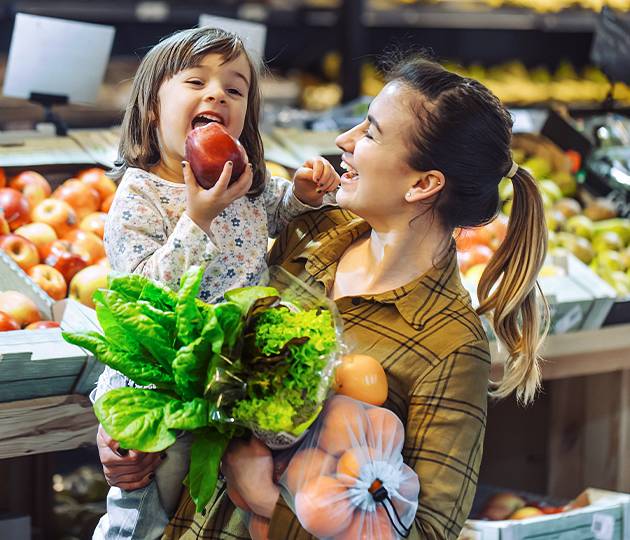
x=387 y=259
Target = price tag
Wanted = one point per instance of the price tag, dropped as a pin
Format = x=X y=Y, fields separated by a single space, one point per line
x=603 y=527
x=57 y=57
x=611 y=45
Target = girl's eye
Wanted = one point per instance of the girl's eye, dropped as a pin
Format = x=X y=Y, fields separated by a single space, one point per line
x=235 y=91
x=195 y=82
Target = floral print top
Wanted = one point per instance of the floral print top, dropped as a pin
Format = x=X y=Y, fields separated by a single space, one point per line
x=148 y=232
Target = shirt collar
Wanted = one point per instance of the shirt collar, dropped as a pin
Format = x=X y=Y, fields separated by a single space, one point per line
x=416 y=301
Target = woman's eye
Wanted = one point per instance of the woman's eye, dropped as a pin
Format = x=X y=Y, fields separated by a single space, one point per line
x=367 y=135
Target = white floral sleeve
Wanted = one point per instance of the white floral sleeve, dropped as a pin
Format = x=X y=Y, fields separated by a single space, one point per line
x=139 y=239
x=281 y=204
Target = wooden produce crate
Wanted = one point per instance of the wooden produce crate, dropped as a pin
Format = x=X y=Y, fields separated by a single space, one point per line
x=38 y=363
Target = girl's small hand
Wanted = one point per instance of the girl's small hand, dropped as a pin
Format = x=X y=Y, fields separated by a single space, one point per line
x=204 y=205
x=126 y=469
x=313 y=179
x=258 y=527
x=248 y=467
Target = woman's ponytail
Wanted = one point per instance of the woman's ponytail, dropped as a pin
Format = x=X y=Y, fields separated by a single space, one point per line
x=507 y=291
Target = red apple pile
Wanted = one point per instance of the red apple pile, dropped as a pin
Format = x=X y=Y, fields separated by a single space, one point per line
x=18 y=311
x=56 y=237
x=208 y=148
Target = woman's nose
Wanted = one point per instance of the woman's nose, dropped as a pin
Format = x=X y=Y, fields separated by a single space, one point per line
x=345 y=141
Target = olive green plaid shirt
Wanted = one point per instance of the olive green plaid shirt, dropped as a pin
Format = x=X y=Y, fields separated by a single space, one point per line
x=435 y=352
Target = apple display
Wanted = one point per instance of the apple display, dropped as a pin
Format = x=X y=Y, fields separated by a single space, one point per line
x=26 y=178
x=21 y=250
x=19 y=307
x=15 y=207
x=61 y=255
x=4 y=224
x=81 y=197
x=49 y=280
x=107 y=204
x=7 y=323
x=3 y=178
x=42 y=325
x=97 y=179
x=86 y=282
x=56 y=213
x=208 y=148
x=41 y=234
x=94 y=223
x=87 y=244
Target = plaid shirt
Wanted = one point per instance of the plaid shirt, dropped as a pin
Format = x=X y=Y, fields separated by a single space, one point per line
x=435 y=352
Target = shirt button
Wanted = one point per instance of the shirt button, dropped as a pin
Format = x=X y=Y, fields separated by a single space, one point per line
x=356 y=301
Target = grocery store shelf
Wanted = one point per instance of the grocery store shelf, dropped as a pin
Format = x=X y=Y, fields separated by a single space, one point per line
x=580 y=353
x=482 y=18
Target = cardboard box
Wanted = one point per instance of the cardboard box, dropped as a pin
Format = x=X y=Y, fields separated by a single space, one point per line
x=578 y=298
x=604 y=515
x=38 y=363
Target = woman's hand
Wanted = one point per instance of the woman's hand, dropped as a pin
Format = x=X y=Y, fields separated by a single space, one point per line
x=313 y=179
x=248 y=467
x=203 y=205
x=126 y=469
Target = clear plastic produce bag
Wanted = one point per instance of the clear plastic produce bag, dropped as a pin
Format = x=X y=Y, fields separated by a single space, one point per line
x=347 y=479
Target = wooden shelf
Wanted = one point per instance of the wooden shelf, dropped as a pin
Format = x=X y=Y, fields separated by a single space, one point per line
x=50 y=424
x=580 y=353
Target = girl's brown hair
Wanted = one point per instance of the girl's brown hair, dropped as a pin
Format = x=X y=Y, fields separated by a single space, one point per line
x=464 y=132
x=139 y=145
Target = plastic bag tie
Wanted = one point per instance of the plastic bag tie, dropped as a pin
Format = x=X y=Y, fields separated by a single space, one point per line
x=380 y=495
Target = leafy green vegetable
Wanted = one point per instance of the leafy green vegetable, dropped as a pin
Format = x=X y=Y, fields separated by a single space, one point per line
x=135 y=418
x=205 y=457
x=213 y=368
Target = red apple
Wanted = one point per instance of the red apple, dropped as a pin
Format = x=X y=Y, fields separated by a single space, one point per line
x=40 y=234
x=4 y=224
x=26 y=178
x=96 y=178
x=58 y=214
x=107 y=204
x=21 y=250
x=49 y=280
x=87 y=244
x=83 y=198
x=41 y=325
x=3 y=178
x=34 y=194
x=7 y=322
x=61 y=255
x=15 y=207
x=94 y=223
x=86 y=282
x=20 y=307
x=208 y=148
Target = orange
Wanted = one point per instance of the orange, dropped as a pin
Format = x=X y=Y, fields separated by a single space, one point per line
x=306 y=465
x=361 y=377
x=323 y=507
x=350 y=462
x=344 y=426
x=385 y=431
x=369 y=526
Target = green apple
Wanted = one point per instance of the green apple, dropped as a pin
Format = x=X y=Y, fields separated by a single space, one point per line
x=580 y=225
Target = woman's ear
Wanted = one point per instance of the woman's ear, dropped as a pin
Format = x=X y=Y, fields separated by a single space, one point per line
x=428 y=184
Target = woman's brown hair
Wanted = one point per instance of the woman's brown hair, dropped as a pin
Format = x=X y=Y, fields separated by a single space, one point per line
x=464 y=132
x=139 y=145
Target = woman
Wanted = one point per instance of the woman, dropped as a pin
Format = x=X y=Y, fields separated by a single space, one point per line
x=428 y=159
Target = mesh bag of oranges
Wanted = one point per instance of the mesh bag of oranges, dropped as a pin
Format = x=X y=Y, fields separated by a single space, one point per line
x=347 y=479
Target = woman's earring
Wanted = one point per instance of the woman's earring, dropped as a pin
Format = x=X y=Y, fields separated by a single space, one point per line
x=408 y=195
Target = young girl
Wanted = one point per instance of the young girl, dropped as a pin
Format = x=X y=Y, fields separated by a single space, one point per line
x=162 y=221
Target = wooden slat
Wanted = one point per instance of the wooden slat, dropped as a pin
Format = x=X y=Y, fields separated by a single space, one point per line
x=566 y=437
x=579 y=353
x=46 y=425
